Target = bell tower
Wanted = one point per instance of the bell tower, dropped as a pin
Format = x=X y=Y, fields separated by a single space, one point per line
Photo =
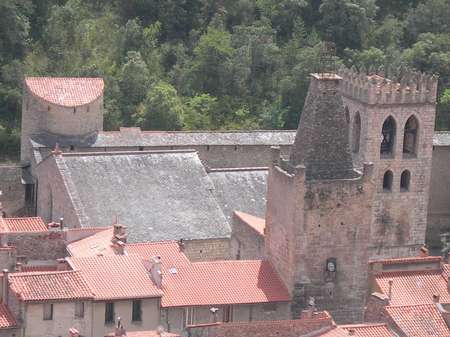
x=319 y=209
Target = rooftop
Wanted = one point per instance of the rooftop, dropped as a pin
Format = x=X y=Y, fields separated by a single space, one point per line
x=7 y=320
x=168 y=196
x=256 y=223
x=419 y=320
x=66 y=91
x=49 y=286
x=222 y=282
x=241 y=190
x=96 y=244
x=369 y=330
x=29 y=224
x=414 y=287
x=115 y=276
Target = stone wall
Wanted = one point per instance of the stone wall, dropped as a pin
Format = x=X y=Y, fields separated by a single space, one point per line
x=207 y=250
x=399 y=217
x=173 y=319
x=12 y=198
x=246 y=243
x=49 y=245
x=39 y=116
x=439 y=203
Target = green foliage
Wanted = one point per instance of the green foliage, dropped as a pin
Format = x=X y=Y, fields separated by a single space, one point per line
x=206 y=64
x=162 y=109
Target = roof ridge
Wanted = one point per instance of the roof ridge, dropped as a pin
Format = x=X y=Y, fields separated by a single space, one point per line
x=362 y=325
x=38 y=273
x=412 y=305
x=113 y=153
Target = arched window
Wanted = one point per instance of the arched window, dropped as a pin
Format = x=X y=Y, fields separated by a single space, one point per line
x=387 y=181
x=410 y=136
x=404 y=181
x=356 y=133
x=388 y=137
x=347 y=115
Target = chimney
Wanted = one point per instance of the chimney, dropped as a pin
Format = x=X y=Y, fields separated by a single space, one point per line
x=155 y=270
x=305 y=314
x=424 y=251
x=436 y=298
x=5 y=286
x=73 y=332
x=308 y=312
x=119 y=232
x=119 y=247
x=181 y=244
x=61 y=264
x=61 y=223
x=18 y=266
x=391 y=281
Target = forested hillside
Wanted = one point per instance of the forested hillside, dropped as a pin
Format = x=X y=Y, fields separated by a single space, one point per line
x=211 y=64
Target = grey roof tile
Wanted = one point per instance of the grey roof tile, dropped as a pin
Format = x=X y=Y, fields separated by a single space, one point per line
x=158 y=195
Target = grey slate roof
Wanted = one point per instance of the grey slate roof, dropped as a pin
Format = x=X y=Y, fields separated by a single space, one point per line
x=158 y=195
x=241 y=190
x=136 y=137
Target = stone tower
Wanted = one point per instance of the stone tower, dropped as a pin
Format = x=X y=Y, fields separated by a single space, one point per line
x=392 y=125
x=60 y=107
x=319 y=209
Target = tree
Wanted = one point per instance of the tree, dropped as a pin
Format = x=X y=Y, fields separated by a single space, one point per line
x=162 y=109
x=199 y=113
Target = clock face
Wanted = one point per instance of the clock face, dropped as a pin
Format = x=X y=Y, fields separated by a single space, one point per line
x=331 y=267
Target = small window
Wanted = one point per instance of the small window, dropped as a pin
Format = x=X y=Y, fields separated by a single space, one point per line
x=137 y=311
x=410 y=137
x=74 y=110
x=388 y=137
x=227 y=314
x=71 y=147
x=404 y=181
x=48 y=311
x=387 y=181
x=270 y=307
x=347 y=115
x=189 y=316
x=207 y=148
x=109 y=312
x=141 y=148
x=356 y=133
x=79 y=309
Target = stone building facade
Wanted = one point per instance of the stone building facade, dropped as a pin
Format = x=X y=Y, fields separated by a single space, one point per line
x=392 y=126
x=319 y=209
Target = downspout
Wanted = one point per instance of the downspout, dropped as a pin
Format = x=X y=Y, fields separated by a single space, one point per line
x=92 y=318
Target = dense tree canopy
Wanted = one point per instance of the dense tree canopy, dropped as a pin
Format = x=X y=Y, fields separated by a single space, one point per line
x=211 y=64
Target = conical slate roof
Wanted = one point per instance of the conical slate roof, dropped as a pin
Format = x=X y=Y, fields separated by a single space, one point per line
x=321 y=143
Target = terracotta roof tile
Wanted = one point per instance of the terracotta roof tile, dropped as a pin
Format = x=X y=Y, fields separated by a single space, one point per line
x=222 y=282
x=49 y=286
x=419 y=320
x=152 y=333
x=98 y=243
x=38 y=268
x=408 y=260
x=66 y=91
x=7 y=320
x=254 y=222
x=116 y=276
x=369 y=330
x=169 y=251
x=282 y=328
x=29 y=224
x=414 y=287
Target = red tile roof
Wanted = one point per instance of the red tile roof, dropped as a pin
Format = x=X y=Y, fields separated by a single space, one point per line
x=222 y=282
x=169 y=251
x=116 y=276
x=66 y=91
x=30 y=224
x=98 y=243
x=414 y=287
x=419 y=320
x=333 y=332
x=409 y=260
x=7 y=320
x=39 y=268
x=152 y=333
x=369 y=330
x=49 y=286
x=283 y=328
x=254 y=222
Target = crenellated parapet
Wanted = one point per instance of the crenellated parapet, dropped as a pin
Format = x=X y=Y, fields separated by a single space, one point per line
x=373 y=87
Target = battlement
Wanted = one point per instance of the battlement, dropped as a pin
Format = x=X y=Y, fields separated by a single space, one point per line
x=372 y=87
